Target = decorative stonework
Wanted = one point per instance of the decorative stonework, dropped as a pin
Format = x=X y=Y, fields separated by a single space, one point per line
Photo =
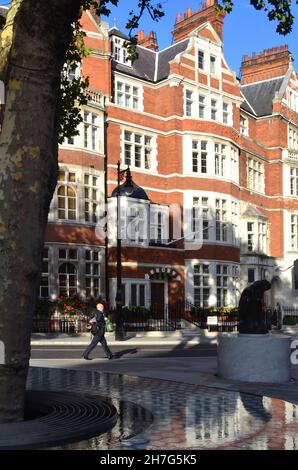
x=171 y=273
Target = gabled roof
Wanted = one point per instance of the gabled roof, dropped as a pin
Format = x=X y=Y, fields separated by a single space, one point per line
x=260 y=96
x=116 y=32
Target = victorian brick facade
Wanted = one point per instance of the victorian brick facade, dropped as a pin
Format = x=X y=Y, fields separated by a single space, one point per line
x=216 y=156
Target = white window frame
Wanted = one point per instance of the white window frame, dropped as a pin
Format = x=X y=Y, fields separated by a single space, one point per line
x=200 y=156
x=200 y=218
x=255 y=175
x=294 y=232
x=68 y=182
x=92 y=274
x=221 y=220
x=294 y=181
x=201 y=284
x=220 y=159
x=120 y=52
x=159 y=223
x=91 y=198
x=128 y=95
x=244 y=125
x=293 y=138
x=222 y=285
x=142 y=149
x=45 y=275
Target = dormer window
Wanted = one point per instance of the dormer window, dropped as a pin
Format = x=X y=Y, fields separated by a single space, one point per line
x=212 y=64
x=120 y=52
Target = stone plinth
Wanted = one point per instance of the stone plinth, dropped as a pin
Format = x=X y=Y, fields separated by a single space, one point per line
x=254 y=358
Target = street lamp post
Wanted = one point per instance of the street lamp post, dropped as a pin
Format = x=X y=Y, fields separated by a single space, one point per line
x=128 y=189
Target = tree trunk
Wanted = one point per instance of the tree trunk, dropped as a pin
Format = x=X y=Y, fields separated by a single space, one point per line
x=33 y=46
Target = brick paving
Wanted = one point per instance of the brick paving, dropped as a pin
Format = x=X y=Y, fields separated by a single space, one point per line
x=161 y=414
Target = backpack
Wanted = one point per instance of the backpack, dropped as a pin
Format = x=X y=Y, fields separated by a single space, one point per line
x=92 y=327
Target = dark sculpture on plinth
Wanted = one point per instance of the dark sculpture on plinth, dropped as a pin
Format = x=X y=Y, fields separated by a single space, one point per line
x=252 y=315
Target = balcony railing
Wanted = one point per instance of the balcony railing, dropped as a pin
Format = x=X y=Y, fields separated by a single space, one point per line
x=95 y=97
x=293 y=155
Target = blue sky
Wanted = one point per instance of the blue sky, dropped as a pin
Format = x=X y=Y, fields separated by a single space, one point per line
x=245 y=29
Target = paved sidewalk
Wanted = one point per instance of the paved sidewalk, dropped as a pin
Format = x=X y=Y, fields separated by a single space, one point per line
x=178 y=392
x=189 y=336
x=183 y=336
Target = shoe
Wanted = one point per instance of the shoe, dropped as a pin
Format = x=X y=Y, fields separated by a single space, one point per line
x=87 y=358
x=110 y=357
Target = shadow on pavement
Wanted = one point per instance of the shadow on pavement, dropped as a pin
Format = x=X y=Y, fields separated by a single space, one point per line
x=119 y=354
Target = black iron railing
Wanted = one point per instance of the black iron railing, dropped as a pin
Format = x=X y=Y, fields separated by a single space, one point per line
x=224 y=321
x=167 y=318
x=66 y=326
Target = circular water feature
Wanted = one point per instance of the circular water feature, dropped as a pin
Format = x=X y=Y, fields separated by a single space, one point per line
x=53 y=418
x=159 y=414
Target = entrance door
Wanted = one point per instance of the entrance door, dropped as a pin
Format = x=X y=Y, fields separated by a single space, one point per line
x=158 y=298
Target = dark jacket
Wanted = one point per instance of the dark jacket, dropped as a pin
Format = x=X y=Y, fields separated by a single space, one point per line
x=100 y=323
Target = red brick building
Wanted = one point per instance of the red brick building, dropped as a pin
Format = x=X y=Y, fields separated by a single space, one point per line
x=215 y=159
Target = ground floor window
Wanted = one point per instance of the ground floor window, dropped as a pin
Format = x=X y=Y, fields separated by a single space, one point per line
x=67 y=279
x=210 y=284
x=134 y=294
x=221 y=285
x=201 y=285
x=68 y=270
x=44 y=290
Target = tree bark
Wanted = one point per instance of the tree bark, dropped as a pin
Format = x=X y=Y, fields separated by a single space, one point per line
x=33 y=46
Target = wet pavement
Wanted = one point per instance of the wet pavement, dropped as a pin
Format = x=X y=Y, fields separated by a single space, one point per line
x=164 y=414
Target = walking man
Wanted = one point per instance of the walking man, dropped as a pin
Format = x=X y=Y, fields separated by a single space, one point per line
x=98 y=332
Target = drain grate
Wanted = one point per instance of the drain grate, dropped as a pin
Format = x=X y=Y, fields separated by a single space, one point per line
x=59 y=418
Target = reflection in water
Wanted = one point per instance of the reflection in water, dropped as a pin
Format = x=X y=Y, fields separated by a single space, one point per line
x=185 y=416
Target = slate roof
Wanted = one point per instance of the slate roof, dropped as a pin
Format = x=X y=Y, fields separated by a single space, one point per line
x=260 y=96
x=116 y=32
x=165 y=56
x=150 y=65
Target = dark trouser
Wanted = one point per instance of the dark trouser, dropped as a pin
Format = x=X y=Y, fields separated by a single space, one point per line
x=98 y=339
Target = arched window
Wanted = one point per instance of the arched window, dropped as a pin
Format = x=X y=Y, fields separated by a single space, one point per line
x=68 y=279
x=67 y=204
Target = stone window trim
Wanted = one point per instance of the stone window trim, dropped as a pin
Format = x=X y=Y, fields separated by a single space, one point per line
x=218 y=216
x=244 y=125
x=293 y=137
x=119 y=51
x=221 y=279
x=128 y=94
x=138 y=149
x=61 y=253
x=159 y=223
x=214 y=158
x=201 y=103
x=257 y=236
x=255 y=175
x=90 y=130
x=201 y=218
x=79 y=187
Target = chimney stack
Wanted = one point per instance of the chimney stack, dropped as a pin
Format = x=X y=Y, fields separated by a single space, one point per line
x=191 y=20
x=149 y=41
x=270 y=63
